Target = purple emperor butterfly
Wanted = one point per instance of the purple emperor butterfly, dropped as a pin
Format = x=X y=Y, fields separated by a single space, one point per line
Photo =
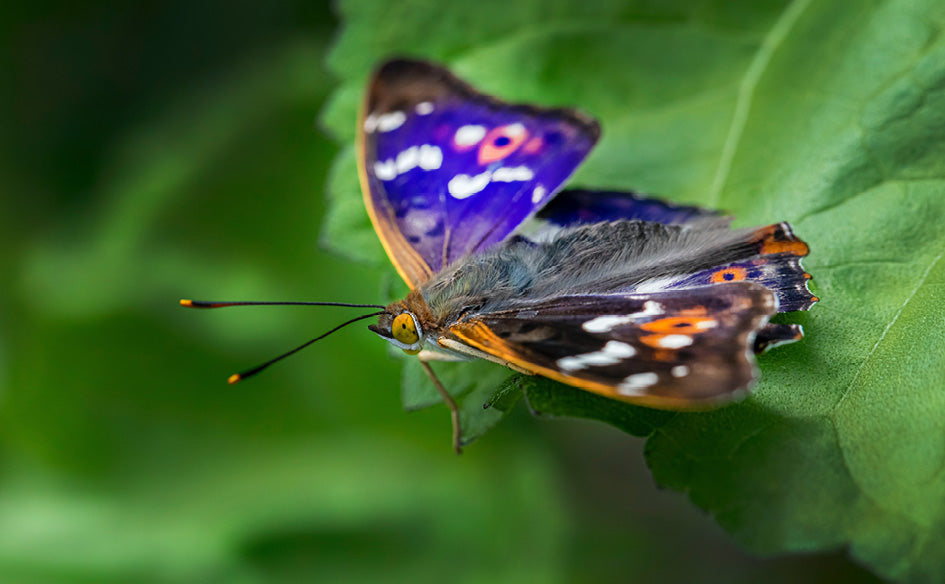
x=631 y=298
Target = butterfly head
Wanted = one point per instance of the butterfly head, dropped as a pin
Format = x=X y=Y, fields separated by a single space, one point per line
x=401 y=328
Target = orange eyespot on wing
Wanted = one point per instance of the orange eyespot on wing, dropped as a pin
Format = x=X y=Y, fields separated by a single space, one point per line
x=501 y=142
x=680 y=324
x=731 y=274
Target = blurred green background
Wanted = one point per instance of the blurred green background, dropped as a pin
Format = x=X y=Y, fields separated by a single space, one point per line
x=171 y=149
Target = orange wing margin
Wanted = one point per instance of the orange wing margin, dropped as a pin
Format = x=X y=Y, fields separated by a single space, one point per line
x=412 y=268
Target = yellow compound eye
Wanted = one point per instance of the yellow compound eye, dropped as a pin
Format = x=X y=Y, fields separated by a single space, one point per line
x=404 y=330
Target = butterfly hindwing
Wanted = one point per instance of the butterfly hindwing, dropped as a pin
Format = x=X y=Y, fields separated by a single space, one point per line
x=769 y=255
x=448 y=171
x=672 y=349
x=581 y=206
x=775 y=334
x=773 y=259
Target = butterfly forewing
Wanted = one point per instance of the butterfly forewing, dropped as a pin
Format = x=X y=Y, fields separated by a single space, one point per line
x=669 y=349
x=448 y=171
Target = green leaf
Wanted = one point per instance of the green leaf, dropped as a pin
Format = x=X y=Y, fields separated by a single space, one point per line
x=826 y=114
x=483 y=392
x=346 y=229
x=548 y=398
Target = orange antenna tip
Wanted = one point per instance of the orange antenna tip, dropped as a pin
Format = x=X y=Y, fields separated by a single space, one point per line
x=186 y=302
x=233 y=378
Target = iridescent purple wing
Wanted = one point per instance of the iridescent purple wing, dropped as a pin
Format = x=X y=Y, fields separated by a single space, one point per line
x=447 y=171
x=573 y=207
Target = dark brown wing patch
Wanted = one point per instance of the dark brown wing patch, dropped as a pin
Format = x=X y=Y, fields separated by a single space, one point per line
x=674 y=349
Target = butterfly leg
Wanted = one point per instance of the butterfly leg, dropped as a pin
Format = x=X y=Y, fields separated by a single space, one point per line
x=450 y=403
x=427 y=355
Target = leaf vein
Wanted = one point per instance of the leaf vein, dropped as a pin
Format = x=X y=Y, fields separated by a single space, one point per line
x=892 y=322
x=746 y=94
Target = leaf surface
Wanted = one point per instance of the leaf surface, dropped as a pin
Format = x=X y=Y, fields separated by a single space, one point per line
x=826 y=114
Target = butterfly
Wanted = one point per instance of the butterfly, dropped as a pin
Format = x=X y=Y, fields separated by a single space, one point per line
x=632 y=298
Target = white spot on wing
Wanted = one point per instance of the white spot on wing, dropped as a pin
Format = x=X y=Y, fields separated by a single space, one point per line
x=605 y=323
x=512 y=173
x=427 y=157
x=423 y=108
x=469 y=135
x=650 y=308
x=370 y=123
x=514 y=129
x=611 y=353
x=386 y=170
x=463 y=185
x=608 y=322
x=679 y=371
x=431 y=157
x=674 y=341
x=420 y=222
x=408 y=159
x=390 y=121
x=538 y=193
x=654 y=285
x=634 y=383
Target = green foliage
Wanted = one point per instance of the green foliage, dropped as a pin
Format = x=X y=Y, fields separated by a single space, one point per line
x=473 y=385
x=826 y=114
x=124 y=455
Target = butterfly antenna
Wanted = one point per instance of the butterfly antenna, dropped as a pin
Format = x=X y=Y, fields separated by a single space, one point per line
x=204 y=304
x=236 y=377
